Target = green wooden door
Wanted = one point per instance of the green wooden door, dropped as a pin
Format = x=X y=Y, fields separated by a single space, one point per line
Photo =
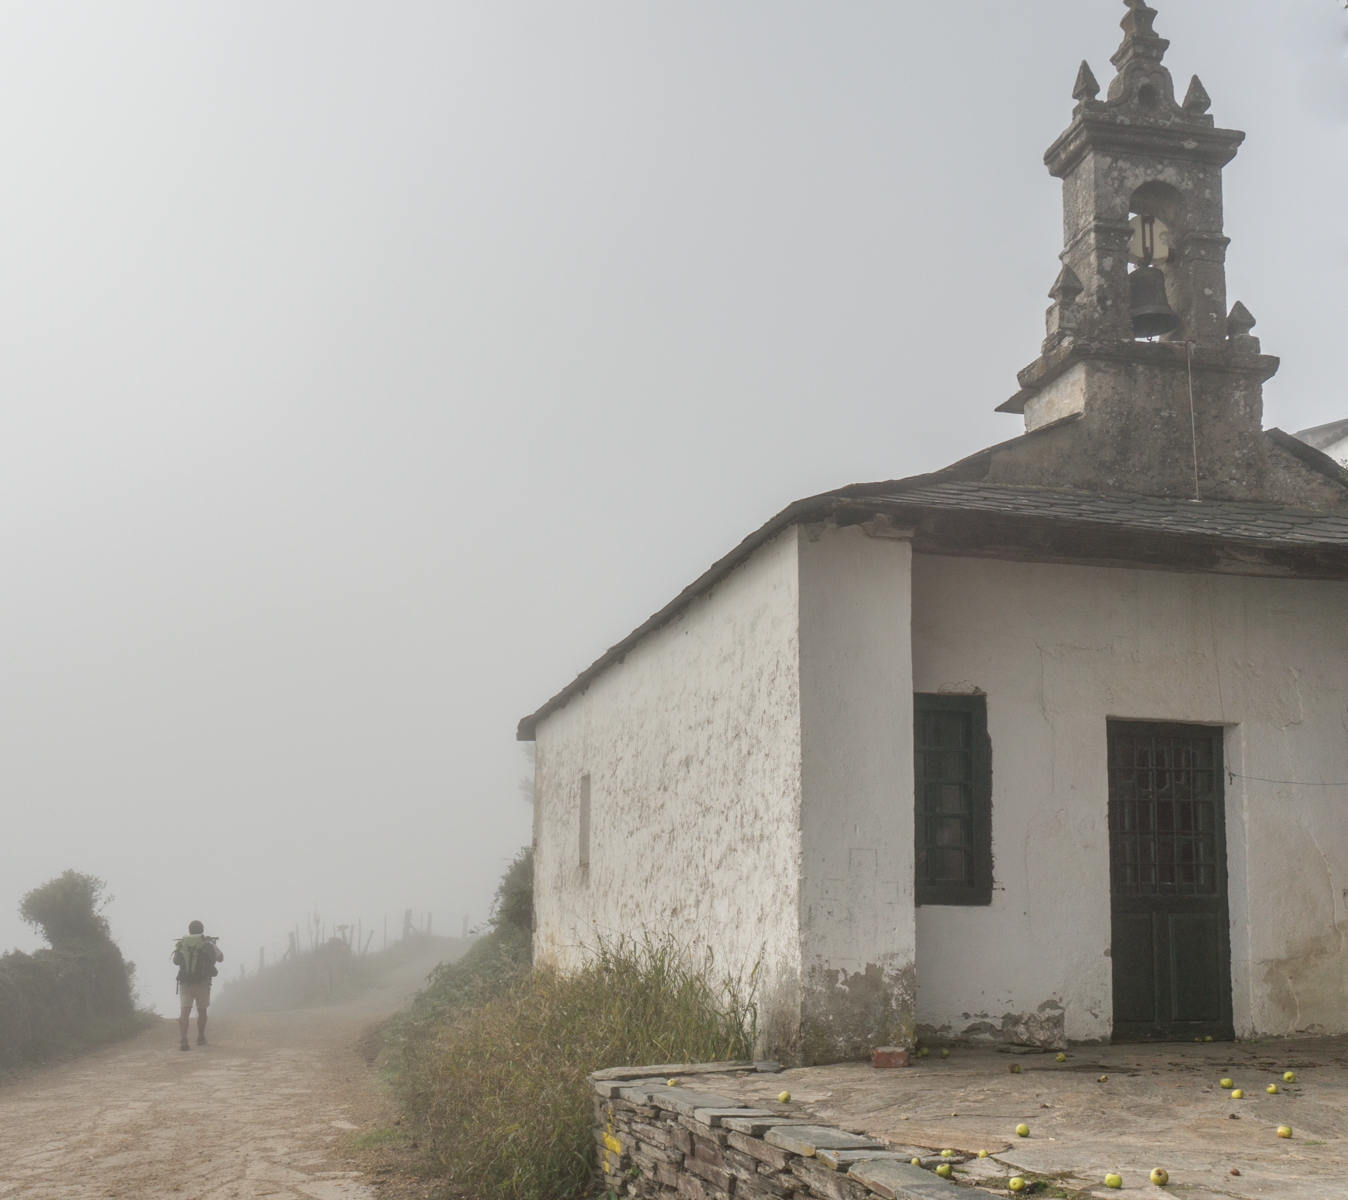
x=1167 y=875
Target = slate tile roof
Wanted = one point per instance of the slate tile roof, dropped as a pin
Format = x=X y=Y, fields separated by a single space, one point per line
x=1211 y=518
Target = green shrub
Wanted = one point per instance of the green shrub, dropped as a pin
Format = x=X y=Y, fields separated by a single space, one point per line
x=491 y=1067
x=77 y=993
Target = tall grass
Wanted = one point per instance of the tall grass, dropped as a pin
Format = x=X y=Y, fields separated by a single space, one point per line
x=495 y=1080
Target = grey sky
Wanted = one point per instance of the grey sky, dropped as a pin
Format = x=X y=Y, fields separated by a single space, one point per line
x=367 y=369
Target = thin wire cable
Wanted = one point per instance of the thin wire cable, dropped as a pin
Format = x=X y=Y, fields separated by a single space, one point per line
x=1234 y=775
x=1193 y=422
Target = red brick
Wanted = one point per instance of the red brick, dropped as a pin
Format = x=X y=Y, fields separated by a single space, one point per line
x=889 y=1056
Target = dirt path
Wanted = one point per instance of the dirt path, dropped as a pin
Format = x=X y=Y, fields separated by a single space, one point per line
x=267 y=1109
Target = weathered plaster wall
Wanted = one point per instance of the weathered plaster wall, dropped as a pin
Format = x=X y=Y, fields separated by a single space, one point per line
x=857 y=936
x=692 y=748
x=1058 y=649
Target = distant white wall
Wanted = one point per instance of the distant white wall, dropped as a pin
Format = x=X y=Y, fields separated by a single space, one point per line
x=692 y=749
x=1058 y=650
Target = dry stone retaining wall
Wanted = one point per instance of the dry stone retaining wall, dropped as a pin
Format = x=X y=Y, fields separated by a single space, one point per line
x=662 y=1142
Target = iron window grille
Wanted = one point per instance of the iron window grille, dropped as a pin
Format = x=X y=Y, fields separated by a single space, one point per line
x=952 y=768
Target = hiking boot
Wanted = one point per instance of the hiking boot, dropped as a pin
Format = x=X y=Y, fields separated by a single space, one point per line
x=201 y=1039
x=183 y=1045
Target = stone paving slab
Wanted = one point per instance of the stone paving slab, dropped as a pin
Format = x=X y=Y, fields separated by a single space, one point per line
x=806 y=1139
x=902 y=1181
x=1160 y=1105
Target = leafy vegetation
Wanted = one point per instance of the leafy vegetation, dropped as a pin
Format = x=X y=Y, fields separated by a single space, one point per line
x=77 y=992
x=489 y=1062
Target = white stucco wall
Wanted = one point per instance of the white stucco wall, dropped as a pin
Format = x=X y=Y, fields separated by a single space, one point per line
x=857 y=933
x=1058 y=650
x=692 y=746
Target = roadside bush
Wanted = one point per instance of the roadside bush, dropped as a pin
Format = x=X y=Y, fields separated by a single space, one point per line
x=75 y=994
x=490 y=1066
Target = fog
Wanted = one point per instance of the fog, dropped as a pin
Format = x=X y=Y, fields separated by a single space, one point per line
x=367 y=369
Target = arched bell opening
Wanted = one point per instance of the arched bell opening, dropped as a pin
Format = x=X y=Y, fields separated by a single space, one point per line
x=1155 y=214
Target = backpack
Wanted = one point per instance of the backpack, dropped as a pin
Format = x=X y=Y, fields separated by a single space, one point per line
x=195 y=958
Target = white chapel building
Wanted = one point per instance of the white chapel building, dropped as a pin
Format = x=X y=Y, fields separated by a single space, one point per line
x=1046 y=746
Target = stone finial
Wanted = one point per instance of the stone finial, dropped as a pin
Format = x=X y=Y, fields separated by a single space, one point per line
x=1064 y=314
x=1066 y=288
x=1239 y=322
x=1140 y=39
x=1139 y=19
x=1086 y=87
x=1238 y=326
x=1196 y=99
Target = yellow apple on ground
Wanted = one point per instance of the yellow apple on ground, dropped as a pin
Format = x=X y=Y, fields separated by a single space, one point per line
x=947 y=1154
x=917 y=1162
x=944 y=1170
x=1014 y=1068
x=1160 y=1176
x=1113 y=1180
x=945 y=1051
x=982 y=1154
x=1227 y=1083
x=1104 y=1078
x=1272 y=1089
x=784 y=1098
x=1289 y=1077
x=1237 y=1094
x=1061 y=1057
x=671 y=1083
x=1022 y=1130
x=1016 y=1183
x=1284 y=1131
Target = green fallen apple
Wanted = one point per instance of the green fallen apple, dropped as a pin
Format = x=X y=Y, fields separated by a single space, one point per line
x=671 y=1083
x=783 y=1097
x=945 y=1051
x=1022 y=1130
x=1060 y=1056
x=917 y=1162
x=1104 y=1078
x=1227 y=1083
x=1272 y=1089
x=1015 y=1184
x=1160 y=1176
x=1208 y=1038
x=944 y=1170
x=1113 y=1180
x=923 y=1052
x=982 y=1154
x=947 y=1154
x=1237 y=1094
x=1289 y=1077
x=1014 y=1068
x=1284 y=1131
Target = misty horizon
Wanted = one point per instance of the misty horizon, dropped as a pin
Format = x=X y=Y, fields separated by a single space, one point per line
x=369 y=372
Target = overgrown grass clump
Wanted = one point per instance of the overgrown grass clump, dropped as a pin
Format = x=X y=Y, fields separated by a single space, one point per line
x=490 y=1061
x=75 y=994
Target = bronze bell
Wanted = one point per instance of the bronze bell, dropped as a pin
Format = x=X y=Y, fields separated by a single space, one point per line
x=1147 y=303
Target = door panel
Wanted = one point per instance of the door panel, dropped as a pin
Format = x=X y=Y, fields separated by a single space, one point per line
x=1167 y=850
x=1134 y=969
x=1195 y=969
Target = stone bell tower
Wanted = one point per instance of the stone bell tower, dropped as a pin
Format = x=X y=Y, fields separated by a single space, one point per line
x=1162 y=385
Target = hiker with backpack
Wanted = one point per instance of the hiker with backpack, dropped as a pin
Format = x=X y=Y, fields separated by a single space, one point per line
x=195 y=956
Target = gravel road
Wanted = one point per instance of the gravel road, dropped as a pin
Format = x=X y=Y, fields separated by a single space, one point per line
x=269 y=1108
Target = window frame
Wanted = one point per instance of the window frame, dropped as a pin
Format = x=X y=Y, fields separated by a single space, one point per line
x=979 y=890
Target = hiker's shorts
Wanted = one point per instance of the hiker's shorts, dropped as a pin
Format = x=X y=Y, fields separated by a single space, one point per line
x=200 y=992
